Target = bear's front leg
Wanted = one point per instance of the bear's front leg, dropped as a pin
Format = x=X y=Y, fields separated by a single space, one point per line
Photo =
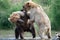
x=21 y=31
x=32 y=30
x=21 y=35
x=16 y=33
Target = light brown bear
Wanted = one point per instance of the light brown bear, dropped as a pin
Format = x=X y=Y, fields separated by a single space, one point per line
x=23 y=24
x=41 y=18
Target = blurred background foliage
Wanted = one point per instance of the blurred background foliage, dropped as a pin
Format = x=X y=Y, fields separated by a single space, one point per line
x=51 y=7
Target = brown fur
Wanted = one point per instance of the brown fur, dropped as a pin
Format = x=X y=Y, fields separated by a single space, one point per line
x=41 y=18
x=21 y=27
x=14 y=17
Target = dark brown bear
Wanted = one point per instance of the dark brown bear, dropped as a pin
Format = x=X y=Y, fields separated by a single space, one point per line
x=22 y=24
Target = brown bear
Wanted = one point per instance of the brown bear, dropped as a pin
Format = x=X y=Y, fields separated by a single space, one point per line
x=41 y=18
x=23 y=24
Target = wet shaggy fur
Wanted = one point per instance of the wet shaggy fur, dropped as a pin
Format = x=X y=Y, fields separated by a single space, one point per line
x=22 y=24
x=41 y=18
x=15 y=16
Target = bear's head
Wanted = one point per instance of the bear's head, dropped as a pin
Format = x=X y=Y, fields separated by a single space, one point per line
x=28 y=5
x=15 y=16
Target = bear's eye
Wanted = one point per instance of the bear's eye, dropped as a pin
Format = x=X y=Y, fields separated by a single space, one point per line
x=28 y=3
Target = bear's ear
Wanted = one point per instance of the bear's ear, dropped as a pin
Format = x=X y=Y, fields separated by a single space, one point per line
x=8 y=19
x=27 y=4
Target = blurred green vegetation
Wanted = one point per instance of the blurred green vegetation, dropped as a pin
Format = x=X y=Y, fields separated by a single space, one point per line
x=6 y=8
x=51 y=7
